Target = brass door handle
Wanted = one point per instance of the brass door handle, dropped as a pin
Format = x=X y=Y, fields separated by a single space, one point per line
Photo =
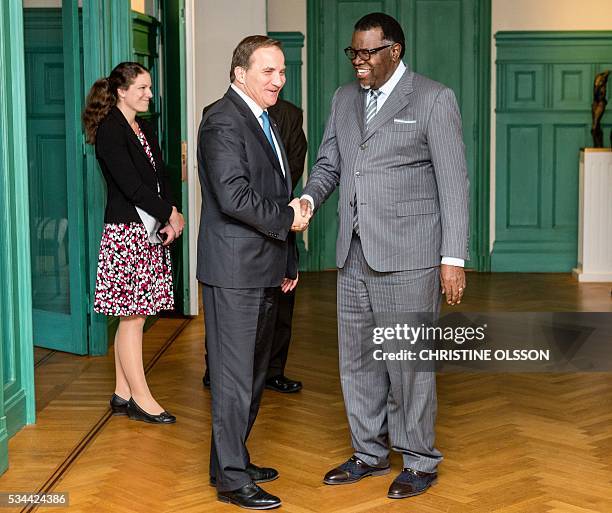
x=184 y=161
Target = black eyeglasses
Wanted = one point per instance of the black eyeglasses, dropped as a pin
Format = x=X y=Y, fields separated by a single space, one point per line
x=363 y=53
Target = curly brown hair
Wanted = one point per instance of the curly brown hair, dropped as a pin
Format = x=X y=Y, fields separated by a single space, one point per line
x=102 y=96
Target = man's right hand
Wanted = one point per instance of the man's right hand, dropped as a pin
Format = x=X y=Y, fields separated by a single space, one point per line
x=306 y=208
x=300 y=221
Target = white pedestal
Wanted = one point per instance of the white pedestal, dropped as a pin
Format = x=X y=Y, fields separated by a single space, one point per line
x=595 y=216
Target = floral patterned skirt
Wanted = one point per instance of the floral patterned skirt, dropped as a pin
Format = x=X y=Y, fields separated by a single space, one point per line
x=134 y=276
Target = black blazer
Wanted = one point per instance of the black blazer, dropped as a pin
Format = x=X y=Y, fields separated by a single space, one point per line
x=130 y=178
x=245 y=238
x=290 y=120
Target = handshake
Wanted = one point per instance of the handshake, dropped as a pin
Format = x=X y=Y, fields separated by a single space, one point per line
x=302 y=212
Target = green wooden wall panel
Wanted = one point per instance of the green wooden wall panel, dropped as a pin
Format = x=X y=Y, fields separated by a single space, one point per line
x=524 y=178
x=564 y=176
x=572 y=86
x=438 y=37
x=445 y=39
x=544 y=88
x=525 y=87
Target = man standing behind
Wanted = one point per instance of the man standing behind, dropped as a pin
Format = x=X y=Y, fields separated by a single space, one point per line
x=246 y=255
x=289 y=119
x=393 y=142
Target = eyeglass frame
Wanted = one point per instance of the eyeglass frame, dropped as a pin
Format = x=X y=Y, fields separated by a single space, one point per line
x=370 y=51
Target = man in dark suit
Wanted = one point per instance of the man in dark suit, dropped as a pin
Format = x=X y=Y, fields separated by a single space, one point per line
x=246 y=257
x=289 y=119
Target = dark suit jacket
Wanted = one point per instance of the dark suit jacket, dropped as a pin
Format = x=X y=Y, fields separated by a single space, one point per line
x=244 y=239
x=130 y=178
x=290 y=120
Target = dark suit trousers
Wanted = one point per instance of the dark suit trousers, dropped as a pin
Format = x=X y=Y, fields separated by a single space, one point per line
x=282 y=335
x=239 y=330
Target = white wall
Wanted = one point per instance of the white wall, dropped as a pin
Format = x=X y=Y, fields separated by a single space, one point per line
x=539 y=15
x=219 y=27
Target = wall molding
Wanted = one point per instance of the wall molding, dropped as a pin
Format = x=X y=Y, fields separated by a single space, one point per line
x=544 y=95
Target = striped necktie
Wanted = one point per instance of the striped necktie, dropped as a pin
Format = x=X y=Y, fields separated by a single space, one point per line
x=371 y=107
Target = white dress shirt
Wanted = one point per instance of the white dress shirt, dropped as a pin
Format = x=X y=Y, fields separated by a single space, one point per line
x=385 y=90
x=257 y=112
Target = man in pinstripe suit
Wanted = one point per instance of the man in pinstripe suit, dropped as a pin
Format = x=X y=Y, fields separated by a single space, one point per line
x=393 y=142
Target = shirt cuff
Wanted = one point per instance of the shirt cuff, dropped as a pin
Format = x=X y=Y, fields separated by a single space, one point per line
x=457 y=262
x=309 y=199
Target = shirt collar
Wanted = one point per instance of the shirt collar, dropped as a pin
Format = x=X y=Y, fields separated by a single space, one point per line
x=390 y=84
x=256 y=109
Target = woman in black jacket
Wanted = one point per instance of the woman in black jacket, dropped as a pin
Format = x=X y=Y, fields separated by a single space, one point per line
x=134 y=277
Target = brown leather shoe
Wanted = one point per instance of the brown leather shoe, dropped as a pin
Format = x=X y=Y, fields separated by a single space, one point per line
x=411 y=482
x=352 y=471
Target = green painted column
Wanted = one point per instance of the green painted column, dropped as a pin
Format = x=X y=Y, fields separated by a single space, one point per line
x=293 y=42
x=17 y=402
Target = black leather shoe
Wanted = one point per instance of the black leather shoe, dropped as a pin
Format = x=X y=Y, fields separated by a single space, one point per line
x=206 y=379
x=283 y=384
x=135 y=412
x=352 y=471
x=250 y=496
x=257 y=474
x=411 y=482
x=118 y=405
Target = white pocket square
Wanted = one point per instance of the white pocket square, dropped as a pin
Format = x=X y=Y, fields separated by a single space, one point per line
x=404 y=121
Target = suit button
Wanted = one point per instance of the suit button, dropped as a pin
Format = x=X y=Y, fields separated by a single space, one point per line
x=357 y=173
x=363 y=147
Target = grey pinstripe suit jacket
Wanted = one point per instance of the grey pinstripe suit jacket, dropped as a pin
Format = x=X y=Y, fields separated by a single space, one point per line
x=407 y=172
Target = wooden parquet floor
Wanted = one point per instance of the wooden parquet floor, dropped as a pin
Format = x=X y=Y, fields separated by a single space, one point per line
x=513 y=443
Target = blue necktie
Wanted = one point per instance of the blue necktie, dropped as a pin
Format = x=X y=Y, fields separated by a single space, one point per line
x=266 y=128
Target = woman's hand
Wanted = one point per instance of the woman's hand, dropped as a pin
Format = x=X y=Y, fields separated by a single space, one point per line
x=177 y=222
x=170 y=234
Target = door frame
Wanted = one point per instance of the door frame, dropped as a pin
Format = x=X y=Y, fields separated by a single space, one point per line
x=17 y=404
x=192 y=185
x=480 y=190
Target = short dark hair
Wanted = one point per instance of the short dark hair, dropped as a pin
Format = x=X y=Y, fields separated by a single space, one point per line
x=242 y=53
x=391 y=29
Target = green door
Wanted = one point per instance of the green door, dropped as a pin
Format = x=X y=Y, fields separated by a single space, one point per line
x=168 y=111
x=174 y=143
x=55 y=163
x=445 y=41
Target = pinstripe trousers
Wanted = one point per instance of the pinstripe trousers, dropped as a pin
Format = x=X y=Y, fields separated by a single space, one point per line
x=385 y=402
